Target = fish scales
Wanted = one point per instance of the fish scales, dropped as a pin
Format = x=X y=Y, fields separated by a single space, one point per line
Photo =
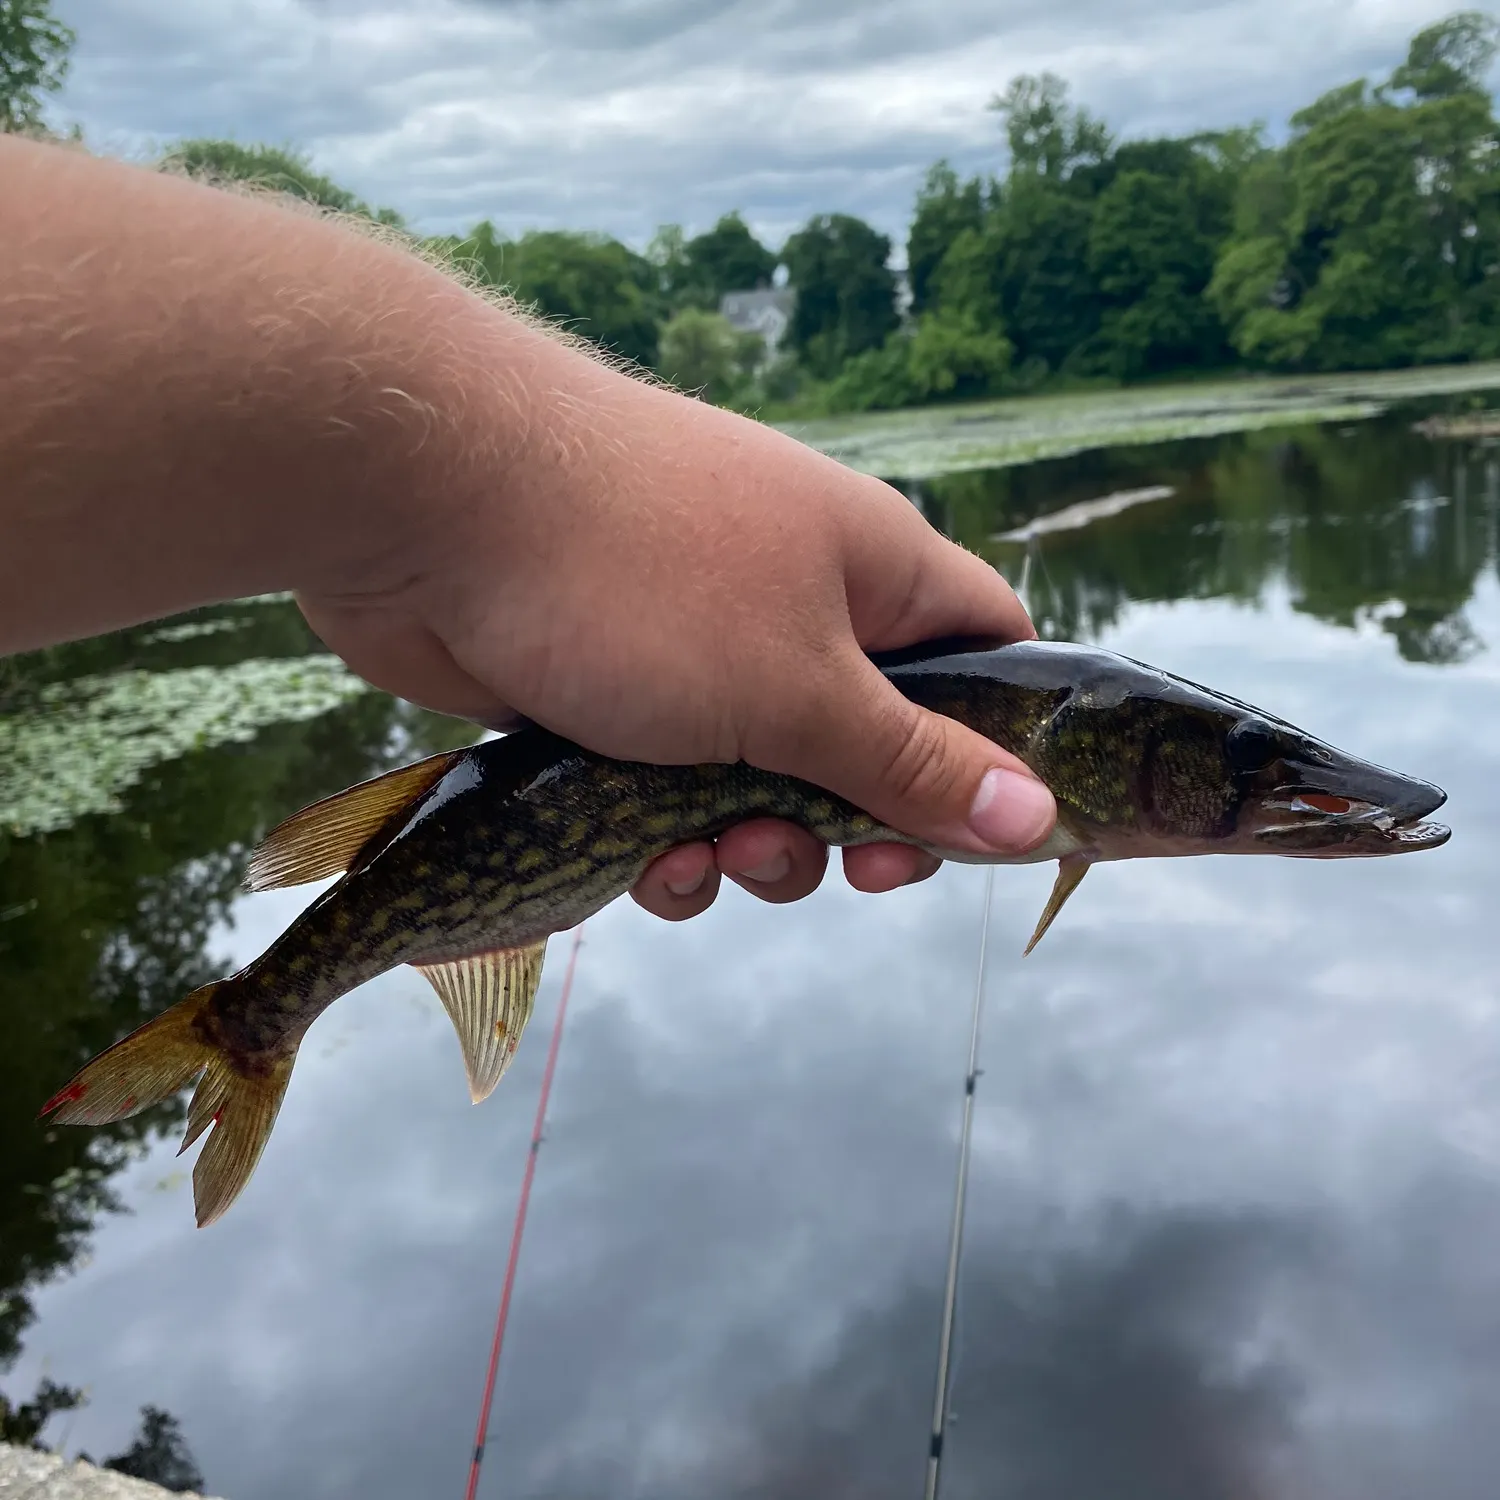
x=463 y=865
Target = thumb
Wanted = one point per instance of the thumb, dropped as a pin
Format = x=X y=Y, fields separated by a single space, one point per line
x=921 y=773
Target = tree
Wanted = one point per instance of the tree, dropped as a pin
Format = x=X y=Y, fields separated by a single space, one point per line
x=1048 y=136
x=698 y=272
x=1373 y=237
x=945 y=208
x=846 y=294
x=1050 y=300
x=591 y=283
x=1155 y=234
x=959 y=346
x=277 y=167
x=1450 y=58
x=667 y=252
x=34 y=48
x=701 y=351
x=22 y=1425
x=160 y=1453
x=728 y=258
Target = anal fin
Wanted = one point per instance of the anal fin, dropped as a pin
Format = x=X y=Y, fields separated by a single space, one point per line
x=1071 y=869
x=488 y=997
x=324 y=838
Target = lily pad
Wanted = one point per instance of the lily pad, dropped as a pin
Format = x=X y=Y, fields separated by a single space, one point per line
x=78 y=746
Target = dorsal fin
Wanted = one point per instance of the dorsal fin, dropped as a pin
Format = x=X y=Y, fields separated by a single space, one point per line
x=488 y=997
x=323 y=839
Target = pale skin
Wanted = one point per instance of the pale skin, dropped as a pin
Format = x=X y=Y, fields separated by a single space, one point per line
x=204 y=396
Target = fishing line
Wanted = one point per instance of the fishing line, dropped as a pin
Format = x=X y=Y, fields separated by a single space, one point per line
x=956 y=1234
x=481 y=1433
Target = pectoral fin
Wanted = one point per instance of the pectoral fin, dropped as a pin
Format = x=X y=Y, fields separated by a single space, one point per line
x=323 y=839
x=488 y=997
x=1071 y=869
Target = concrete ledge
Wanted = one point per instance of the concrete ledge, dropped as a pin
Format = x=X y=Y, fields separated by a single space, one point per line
x=28 y=1474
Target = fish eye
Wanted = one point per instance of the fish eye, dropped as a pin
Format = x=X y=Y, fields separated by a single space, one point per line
x=1251 y=745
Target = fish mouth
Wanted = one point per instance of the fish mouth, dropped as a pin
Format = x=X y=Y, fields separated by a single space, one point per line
x=1316 y=824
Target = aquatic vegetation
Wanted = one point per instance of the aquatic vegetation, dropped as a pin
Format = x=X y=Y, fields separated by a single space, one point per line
x=931 y=441
x=191 y=631
x=77 y=746
x=1481 y=424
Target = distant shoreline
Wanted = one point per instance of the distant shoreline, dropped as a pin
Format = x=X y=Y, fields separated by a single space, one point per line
x=927 y=442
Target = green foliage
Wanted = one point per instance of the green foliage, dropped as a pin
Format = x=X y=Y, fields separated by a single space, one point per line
x=954 y=354
x=1050 y=300
x=78 y=746
x=1451 y=57
x=1048 y=136
x=1373 y=238
x=702 y=352
x=959 y=347
x=1370 y=239
x=698 y=272
x=945 y=208
x=34 y=48
x=277 y=167
x=590 y=283
x=1155 y=231
x=21 y=1423
x=160 y=1454
x=846 y=293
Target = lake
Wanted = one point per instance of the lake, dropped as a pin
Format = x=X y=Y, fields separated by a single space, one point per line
x=1234 y=1217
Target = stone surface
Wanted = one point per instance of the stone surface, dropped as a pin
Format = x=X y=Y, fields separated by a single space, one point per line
x=27 y=1474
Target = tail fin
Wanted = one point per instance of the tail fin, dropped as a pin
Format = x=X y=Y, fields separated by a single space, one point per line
x=162 y=1058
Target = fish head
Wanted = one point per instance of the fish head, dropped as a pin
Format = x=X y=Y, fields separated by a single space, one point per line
x=1301 y=797
x=1199 y=773
x=1142 y=762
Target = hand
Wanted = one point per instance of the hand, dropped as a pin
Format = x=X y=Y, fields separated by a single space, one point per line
x=474 y=515
x=662 y=580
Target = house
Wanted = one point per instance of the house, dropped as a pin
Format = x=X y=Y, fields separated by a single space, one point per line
x=766 y=311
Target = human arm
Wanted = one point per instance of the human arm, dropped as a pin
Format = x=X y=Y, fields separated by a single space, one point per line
x=204 y=396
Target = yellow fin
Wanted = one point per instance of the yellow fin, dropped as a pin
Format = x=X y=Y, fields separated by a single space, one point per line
x=323 y=839
x=160 y=1059
x=488 y=997
x=1071 y=869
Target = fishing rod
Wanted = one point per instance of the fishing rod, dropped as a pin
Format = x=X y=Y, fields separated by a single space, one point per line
x=481 y=1433
x=956 y=1234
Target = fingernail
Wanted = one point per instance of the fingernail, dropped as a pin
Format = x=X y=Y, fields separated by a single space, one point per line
x=1011 y=811
x=772 y=871
x=688 y=887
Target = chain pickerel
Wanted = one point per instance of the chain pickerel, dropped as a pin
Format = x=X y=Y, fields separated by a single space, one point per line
x=463 y=865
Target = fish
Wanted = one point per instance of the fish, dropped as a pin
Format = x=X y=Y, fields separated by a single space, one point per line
x=463 y=864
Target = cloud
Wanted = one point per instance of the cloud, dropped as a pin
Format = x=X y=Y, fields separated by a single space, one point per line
x=624 y=114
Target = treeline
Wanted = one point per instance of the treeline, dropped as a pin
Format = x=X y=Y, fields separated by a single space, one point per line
x=1370 y=238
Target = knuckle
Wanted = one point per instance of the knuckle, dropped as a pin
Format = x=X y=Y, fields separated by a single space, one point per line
x=920 y=767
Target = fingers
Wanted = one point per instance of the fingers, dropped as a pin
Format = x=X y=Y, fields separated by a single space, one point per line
x=775 y=861
x=886 y=867
x=907 y=583
x=857 y=735
x=682 y=883
x=917 y=771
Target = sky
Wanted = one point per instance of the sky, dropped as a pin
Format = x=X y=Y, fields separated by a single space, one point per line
x=621 y=115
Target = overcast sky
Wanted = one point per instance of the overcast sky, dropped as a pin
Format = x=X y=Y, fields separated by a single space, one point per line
x=624 y=114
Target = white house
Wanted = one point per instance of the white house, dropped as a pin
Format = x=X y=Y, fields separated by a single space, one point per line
x=766 y=311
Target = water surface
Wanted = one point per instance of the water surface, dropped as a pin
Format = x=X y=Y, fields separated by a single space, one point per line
x=1235 y=1215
